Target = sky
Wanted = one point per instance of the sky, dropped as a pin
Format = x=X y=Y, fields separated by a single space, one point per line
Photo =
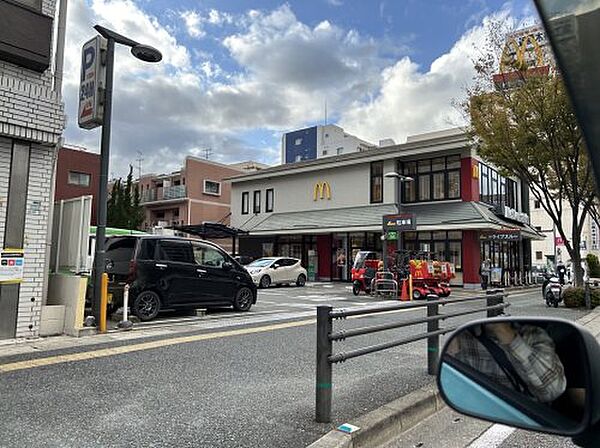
x=237 y=74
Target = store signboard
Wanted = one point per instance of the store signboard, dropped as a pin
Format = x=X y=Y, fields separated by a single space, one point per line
x=399 y=222
x=91 y=85
x=501 y=235
x=510 y=213
x=11 y=266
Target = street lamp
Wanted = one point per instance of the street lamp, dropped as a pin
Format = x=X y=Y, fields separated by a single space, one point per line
x=144 y=53
x=400 y=179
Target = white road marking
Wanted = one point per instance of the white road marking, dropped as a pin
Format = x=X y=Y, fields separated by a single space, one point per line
x=493 y=437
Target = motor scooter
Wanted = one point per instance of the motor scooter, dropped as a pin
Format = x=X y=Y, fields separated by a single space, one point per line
x=552 y=290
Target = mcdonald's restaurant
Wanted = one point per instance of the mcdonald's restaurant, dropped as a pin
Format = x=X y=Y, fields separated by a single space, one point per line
x=324 y=211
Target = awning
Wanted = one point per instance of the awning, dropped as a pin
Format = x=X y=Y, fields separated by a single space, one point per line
x=457 y=215
x=210 y=230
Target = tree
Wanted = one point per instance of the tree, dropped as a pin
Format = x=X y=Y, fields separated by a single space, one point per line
x=124 y=209
x=529 y=130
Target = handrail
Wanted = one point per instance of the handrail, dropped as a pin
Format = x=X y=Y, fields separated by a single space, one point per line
x=494 y=306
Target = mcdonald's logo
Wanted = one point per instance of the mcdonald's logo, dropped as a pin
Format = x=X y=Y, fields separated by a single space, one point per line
x=528 y=53
x=322 y=190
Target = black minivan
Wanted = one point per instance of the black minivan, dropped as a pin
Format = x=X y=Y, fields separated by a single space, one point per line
x=165 y=272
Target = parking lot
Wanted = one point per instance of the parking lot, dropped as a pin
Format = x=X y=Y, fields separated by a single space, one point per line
x=277 y=303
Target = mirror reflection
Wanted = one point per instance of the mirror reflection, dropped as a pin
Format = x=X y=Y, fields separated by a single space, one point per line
x=525 y=373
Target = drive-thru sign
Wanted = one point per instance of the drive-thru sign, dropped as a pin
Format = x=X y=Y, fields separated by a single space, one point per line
x=92 y=82
x=399 y=222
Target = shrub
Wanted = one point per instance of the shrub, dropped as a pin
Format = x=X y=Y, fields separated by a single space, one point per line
x=593 y=265
x=574 y=297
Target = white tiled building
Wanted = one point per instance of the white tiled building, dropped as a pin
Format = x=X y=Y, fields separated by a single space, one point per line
x=31 y=124
x=542 y=251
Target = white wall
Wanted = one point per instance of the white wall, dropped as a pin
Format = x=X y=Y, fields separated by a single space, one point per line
x=331 y=137
x=539 y=218
x=350 y=187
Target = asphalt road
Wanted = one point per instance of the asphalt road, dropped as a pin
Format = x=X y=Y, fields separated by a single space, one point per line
x=240 y=381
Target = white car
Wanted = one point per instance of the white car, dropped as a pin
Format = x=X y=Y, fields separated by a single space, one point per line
x=276 y=270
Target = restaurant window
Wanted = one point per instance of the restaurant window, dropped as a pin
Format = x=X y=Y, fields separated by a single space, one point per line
x=269 y=200
x=245 y=203
x=376 y=182
x=439 y=245
x=424 y=186
x=256 y=205
x=438 y=186
x=496 y=189
x=453 y=184
x=434 y=179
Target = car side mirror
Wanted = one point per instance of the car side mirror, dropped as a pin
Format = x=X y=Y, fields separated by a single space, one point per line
x=535 y=374
x=227 y=266
x=275 y=266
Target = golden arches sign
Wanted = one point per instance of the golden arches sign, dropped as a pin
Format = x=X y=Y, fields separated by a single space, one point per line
x=322 y=190
x=513 y=55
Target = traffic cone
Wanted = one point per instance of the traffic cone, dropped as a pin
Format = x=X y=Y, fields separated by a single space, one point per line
x=404 y=294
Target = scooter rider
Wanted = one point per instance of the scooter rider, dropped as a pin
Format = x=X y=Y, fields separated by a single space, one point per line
x=561 y=270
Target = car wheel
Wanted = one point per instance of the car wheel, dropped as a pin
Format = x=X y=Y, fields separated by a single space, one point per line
x=265 y=281
x=146 y=305
x=416 y=294
x=301 y=280
x=243 y=299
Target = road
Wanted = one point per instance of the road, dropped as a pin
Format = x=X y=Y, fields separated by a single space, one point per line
x=223 y=379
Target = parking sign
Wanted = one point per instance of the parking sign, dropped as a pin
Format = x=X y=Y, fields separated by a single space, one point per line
x=93 y=76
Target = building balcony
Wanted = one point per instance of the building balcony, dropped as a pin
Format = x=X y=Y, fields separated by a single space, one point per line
x=164 y=194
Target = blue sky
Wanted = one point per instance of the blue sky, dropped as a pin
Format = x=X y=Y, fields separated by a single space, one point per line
x=236 y=74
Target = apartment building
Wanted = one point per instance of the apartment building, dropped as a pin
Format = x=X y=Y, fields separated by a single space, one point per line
x=31 y=125
x=194 y=194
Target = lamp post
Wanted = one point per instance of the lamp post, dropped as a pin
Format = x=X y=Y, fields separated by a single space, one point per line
x=400 y=179
x=144 y=53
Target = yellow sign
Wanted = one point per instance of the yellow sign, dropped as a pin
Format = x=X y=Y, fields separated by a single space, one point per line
x=322 y=190
x=528 y=53
x=475 y=171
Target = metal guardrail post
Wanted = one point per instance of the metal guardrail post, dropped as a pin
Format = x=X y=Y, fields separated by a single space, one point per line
x=324 y=368
x=433 y=342
x=495 y=297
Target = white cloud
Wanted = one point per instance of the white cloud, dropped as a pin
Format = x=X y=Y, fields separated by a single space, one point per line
x=216 y=17
x=335 y=2
x=411 y=100
x=287 y=70
x=192 y=22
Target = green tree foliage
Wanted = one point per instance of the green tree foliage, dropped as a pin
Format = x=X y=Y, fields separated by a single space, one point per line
x=124 y=209
x=530 y=131
x=593 y=265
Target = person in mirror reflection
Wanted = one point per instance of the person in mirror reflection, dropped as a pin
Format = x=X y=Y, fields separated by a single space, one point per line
x=521 y=356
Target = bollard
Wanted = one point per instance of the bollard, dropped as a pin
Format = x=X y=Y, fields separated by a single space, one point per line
x=495 y=297
x=103 y=303
x=324 y=348
x=433 y=342
x=125 y=324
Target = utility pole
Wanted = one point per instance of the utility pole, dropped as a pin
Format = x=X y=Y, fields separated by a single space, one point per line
x=207 y=153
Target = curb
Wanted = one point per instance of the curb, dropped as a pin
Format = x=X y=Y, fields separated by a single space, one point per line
x=387 y=422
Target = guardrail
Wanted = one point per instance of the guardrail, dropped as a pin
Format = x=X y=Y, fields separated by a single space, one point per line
x=326 y=336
